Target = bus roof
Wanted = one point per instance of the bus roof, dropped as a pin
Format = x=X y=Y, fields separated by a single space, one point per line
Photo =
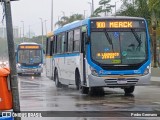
x=79 y=23
x=117 y=17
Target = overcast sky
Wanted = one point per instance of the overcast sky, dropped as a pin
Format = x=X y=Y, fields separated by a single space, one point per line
x=30 y=11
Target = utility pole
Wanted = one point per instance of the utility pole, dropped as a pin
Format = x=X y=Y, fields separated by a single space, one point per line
x=45 y=26
x=51 y=15
x=42 y=30
x=23 y=29
x=92 y=7
x=12 y=60
x=85 y=14
x=29 y=32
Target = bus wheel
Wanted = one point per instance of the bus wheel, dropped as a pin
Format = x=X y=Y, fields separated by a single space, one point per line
x=96 y=91
x=39 y=74
x=20 y=74
x=57 y=83
x=84 y=90
x=129 y=90
x=78 y=81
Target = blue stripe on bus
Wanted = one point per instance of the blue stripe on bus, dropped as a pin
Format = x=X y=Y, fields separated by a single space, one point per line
x=66 y=55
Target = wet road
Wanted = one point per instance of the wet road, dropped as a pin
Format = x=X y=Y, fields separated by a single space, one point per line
x=40 y=94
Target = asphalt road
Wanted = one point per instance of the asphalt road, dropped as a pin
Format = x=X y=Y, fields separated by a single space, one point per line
x=40 y=94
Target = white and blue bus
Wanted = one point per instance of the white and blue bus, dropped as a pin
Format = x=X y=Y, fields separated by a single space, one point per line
x=101 y=52
x=29 y=57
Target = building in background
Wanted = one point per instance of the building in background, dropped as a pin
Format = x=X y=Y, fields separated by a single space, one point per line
x=3 y=31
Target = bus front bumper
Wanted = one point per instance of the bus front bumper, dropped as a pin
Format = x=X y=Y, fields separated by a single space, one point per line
x=29 y=70
x=118 y=81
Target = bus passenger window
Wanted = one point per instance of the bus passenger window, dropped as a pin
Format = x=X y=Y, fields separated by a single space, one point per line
x=70 y=41
x=76 y=41
x=59 y=44
x=63 y=43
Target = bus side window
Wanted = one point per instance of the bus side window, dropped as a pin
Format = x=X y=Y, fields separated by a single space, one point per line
x=55 y=45
x=70 y=41
x=46 y=46
x=59 y=43
x=76 y=42
x=51 y=45
x=83 y=44
x=63 y=43
x=66 y=43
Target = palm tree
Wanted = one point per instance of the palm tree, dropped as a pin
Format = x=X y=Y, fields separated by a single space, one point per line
x=104 y=7
x=154 y=9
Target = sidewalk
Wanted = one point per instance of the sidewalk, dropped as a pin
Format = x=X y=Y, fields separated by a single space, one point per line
x=155 y=79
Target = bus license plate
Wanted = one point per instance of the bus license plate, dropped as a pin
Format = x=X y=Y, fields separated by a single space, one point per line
x=122 y=81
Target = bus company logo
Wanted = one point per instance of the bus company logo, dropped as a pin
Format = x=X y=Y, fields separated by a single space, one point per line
x=6 y=114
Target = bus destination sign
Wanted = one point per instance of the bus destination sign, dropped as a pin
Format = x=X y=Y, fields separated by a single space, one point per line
x=29 y=47
x=117 y=24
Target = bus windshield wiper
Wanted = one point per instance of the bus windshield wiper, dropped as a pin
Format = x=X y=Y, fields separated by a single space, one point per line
x=109 y=39
x=137 y=37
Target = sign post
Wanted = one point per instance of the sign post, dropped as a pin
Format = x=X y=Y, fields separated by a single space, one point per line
x=12 y=60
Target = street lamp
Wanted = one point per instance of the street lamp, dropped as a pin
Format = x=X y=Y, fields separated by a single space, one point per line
x=115 y=7
x=23 y=29
x=63 y=13
x=42 y=30
x=51 y=15
x=45 y=26
x=29 y=32
x=85 y=14
x=90 y=6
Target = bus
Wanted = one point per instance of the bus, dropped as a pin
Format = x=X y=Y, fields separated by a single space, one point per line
x=102 y=52
x=29 y=58
x=49 y=44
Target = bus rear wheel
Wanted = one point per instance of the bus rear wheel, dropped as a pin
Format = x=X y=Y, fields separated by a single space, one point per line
x=57 y=83
x=129 y=90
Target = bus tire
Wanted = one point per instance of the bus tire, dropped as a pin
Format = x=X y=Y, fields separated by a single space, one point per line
x=129 y=90
x=39 y=74
x=57 y=83
x=19 y=74
x=84 y=90
x=96 y=91
x=77 y=80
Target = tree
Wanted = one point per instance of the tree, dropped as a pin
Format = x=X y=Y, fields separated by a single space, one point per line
x=104 y=7
x=138 y=8
x=154 y=9
x=65 y=20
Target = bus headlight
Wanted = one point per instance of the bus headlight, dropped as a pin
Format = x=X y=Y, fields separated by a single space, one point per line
x=40 y=65
x=93 y=71
x=146 y=71
x=18 y=65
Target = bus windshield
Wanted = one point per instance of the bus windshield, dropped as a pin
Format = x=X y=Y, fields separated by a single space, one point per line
x=125 y=47
x=29 y=56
